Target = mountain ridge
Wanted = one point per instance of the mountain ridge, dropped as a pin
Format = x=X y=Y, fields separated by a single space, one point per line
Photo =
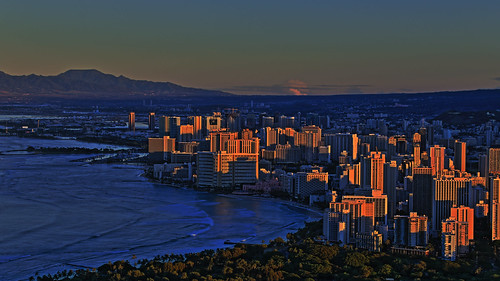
x=92 y=83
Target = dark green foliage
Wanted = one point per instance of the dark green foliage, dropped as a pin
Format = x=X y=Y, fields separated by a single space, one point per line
x=297 y=258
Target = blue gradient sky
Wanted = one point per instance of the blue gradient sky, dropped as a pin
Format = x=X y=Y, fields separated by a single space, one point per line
x=261 y=47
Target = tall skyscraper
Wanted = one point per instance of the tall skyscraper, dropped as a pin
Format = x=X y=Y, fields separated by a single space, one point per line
x=447 y=193
x=494 y=161
x=416 y=155
x=417 y=139
x=464 y=214
x=151 y=121
x=460 y=156
x=495 y=208
x=422 y=191
x=390 y=181
x=131 y=121
x=423 y=138
x=483 y=165
x=372 y=171
x=437 y=160
x=271 y=137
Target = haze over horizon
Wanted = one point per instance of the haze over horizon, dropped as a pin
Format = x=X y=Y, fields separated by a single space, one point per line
x=261 y=47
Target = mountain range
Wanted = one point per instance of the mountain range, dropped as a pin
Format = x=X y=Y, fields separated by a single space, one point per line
x=91 y=83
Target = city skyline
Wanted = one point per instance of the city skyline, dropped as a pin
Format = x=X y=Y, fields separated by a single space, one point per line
x=263 y=140
x=261 y=48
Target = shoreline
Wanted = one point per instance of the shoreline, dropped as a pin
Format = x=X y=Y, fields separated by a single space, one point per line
x=240 y=196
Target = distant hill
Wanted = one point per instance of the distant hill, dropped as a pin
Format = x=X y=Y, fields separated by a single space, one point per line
x=467 y=118
x=82 y=84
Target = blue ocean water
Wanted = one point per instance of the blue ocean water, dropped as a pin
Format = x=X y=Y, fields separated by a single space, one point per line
x=56 y=214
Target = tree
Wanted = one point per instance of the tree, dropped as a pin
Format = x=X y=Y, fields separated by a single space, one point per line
x=386 y=270
x=366 y=271
x=355 y=259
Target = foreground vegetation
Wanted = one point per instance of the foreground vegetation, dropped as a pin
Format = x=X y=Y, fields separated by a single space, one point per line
x=298 y=258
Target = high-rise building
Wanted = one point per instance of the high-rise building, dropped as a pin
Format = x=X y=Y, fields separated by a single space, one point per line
x=233 y=121
x=464 y=214
x=343 y=142
x=324 y=153
x=372 y=171
x=361 y=216
x=131 y=121
x=197 y=122
x=308 y=183
x=495 y=207
x=379 y=205
x=454 y=238
x=151 y=121
x=447 y=193
x=416 y=155
x=336 y=226
x=494 y=160
x=460 y=156
x=411 y=231
x=267 y=121
x=164 y=144
x=290 y=122
x=354 y=174
x=186 y=133
x=370 y=241
x=397 y=145
x=246 y=134
x=309 y=140
x=212 y=123
x=242 y=146
x=287 y=153
x=251 y=121
x=483 y=165
x=169 y=126
x=227 y=170
x=270 y=137
x=423 y=138
x=390 y=181
x=417 y=139
x=422 y=191
x=218 y=140
x=437 y=160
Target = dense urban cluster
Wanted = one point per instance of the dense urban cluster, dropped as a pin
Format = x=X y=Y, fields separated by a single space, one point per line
x=396 y=185
x=424 y=183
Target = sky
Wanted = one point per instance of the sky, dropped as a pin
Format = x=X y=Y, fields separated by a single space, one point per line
x=261 y=47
